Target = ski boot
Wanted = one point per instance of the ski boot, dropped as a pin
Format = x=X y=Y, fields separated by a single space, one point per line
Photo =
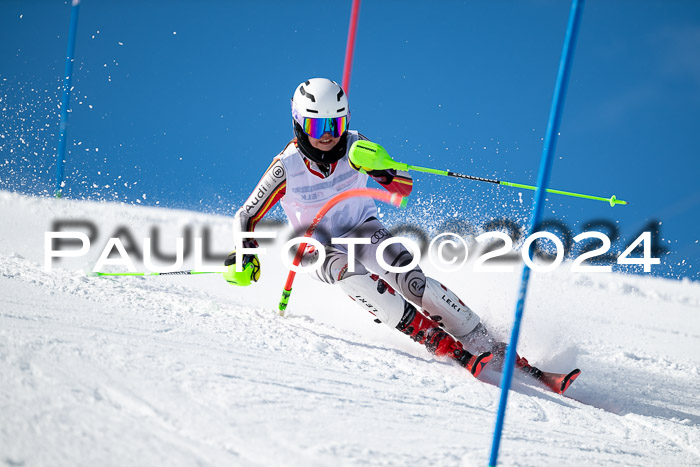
x=428 y=332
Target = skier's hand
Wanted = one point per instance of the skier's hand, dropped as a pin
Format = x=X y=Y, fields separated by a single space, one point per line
x=231 y=259
x=384 y=176
x=250 y=272
x=359 y=168
x=247 y=243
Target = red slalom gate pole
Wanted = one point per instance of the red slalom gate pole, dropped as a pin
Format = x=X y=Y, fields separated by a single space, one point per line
x=394 y=199
x=350 y=47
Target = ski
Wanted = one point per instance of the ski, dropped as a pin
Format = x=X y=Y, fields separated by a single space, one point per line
x=558 y=382
x=477 y=363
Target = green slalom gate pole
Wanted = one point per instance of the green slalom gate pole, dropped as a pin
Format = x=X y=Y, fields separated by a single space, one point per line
x=374 y=157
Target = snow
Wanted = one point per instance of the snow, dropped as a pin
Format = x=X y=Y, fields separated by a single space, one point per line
x=190 y=370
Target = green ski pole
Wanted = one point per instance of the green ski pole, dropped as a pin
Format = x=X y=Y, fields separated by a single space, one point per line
x=374 y=157
x=173 y=273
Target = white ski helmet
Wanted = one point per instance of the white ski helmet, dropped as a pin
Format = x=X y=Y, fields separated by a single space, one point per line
x=320 y=106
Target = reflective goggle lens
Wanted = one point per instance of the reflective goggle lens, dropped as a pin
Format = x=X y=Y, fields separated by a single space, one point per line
x=316 y=127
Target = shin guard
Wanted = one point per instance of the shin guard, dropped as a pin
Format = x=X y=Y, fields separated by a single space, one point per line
x=445 y=307
x=376 y=296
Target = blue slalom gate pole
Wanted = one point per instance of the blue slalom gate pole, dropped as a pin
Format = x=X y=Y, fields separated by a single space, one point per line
x=542 y=182
x=65 y=103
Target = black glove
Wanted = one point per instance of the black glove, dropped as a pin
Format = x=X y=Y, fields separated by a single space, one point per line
x=231 y=258
x=384 y=177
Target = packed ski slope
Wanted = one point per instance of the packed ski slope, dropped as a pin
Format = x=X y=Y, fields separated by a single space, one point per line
x=192 y=371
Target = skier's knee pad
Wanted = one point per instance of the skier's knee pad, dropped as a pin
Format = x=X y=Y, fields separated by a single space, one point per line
x=376 y=296
x=444 y=306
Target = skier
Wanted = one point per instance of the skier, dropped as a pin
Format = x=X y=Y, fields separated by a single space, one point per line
x=314 y=167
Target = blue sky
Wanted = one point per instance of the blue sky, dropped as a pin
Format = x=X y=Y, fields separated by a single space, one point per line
x=184 y=104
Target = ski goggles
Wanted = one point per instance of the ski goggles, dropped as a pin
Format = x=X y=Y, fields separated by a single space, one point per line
x=317 y=127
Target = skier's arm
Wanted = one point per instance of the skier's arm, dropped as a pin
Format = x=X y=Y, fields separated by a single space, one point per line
x=395 y=181
x=270 y=189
